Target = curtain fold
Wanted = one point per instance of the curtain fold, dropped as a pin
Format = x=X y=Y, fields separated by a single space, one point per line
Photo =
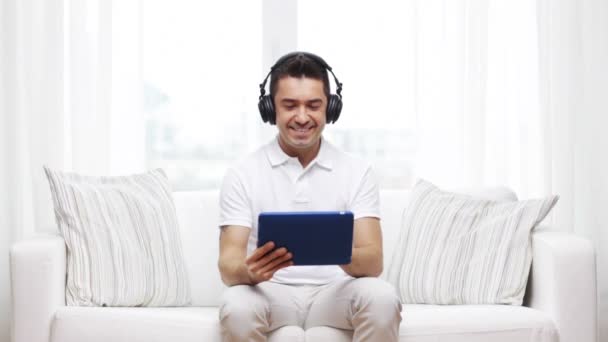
x=514 y=93
x=58 y=71
x=477 y=94
x=32 y=123
x=575 y=79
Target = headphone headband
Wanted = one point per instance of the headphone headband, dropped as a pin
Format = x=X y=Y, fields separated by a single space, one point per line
x=294 y=54
x=334 y=102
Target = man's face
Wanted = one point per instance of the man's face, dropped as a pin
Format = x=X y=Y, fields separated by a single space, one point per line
x=300 y=104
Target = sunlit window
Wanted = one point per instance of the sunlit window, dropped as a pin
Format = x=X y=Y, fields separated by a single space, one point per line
x=370 y=50
x=202 y=62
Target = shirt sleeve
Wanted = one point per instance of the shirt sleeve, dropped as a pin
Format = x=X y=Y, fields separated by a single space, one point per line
x=366 y=201
x=235 y=207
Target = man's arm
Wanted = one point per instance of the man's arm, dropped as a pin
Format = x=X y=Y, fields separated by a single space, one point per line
x=367 y=249
x=236 y=268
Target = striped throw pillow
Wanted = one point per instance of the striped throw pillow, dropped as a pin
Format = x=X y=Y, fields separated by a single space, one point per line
x=456 y=249
x=122 y=237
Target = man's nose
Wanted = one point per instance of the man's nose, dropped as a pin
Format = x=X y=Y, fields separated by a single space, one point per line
x=301 y=115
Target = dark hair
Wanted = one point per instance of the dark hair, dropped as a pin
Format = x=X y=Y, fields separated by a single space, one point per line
x=299 y=66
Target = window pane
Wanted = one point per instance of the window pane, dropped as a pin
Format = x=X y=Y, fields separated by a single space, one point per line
x=370 y=50
x=201 y=65
x=202 y=62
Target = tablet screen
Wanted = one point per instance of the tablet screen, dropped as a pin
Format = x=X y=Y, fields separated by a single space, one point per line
x=313 y=237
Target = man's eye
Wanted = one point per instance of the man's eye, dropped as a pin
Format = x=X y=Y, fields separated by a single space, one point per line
x=290 y=107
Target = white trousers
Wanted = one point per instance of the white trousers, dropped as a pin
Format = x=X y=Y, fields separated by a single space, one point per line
x=368 y=306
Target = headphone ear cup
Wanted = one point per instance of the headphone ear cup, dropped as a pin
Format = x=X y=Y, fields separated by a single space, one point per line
x=266 y=108
x=334 y=108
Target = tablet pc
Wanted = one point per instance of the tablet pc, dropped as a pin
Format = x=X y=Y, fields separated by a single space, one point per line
x=313 y=237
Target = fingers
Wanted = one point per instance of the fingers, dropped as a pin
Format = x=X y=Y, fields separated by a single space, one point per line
x=268 y=258
x=268 y=274
x=260 y=252
x=264 y=262
x=274 y=263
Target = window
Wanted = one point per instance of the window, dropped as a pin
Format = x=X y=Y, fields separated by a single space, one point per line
x=368 y=50
x=203 y=61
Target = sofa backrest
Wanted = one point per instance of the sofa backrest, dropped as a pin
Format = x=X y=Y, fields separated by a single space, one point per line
x=198 y=216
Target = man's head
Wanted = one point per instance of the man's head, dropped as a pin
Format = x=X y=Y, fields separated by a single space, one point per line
x=300 y=64
x=299 y=88
x=300 y=102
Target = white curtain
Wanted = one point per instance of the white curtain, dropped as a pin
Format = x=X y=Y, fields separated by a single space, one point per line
x=515 y=93
x=509 y=92
x=477 y=95
x=69 y=96
x=33 y=128
x=574 y=42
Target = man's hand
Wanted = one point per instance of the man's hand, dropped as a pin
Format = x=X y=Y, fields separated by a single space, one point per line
x=238 y=269
x=264 y=262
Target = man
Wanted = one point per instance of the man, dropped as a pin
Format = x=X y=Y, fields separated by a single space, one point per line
x=300 y=171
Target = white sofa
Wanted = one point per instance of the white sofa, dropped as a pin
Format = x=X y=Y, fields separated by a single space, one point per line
x=560 y=302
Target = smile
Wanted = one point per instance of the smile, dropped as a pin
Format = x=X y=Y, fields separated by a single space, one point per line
x=302 y=129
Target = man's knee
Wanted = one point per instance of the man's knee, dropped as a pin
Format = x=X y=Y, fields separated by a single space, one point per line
x=376 y=310
x=240 y=304
x=243 y=314
x=379 y=298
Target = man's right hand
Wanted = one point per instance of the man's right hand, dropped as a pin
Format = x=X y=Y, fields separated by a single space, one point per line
x=265 y=261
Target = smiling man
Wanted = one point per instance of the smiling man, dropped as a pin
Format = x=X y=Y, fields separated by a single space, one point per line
x=301 y=171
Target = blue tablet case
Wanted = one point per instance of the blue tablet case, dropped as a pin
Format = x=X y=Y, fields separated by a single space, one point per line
x=313 y=237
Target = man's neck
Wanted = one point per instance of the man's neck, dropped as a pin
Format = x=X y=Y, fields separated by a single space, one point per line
x=305 y=156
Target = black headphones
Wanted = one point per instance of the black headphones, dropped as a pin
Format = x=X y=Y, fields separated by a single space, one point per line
x=334 y=103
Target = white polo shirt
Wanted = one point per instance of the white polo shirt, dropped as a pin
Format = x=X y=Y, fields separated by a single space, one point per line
x=270 y=180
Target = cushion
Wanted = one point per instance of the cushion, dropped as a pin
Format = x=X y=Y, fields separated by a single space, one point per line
x=185 y=324
x=94 y=324
x=421 y=323
x=458 y=249
x=122 y=238
x=460 y=323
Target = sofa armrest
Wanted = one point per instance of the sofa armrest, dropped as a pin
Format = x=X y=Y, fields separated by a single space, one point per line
x=38 y=276
x=563 y=283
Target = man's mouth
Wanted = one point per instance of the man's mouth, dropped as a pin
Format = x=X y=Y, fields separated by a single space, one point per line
x=302 y=129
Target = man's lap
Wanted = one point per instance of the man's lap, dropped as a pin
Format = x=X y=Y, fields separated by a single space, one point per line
x=307 y=306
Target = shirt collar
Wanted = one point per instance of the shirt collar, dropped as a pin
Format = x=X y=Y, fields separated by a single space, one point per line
x=276 y=156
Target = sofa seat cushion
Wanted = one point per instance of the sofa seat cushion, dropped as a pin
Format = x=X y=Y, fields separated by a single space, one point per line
x=421 y=323
x=475 y=323
x=135 y=324
x=461 y=323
